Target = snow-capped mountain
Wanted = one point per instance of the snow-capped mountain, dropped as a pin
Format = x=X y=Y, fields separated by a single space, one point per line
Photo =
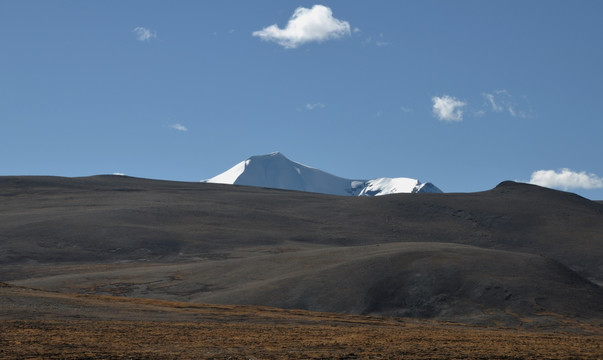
x=276 y=171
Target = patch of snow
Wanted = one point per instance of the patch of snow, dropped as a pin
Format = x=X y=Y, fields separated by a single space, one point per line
x=231 y=175
x=384 y=186
x=357 y=183
x=428 y=188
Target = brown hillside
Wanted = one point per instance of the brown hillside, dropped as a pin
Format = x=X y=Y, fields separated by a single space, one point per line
x=517 y=250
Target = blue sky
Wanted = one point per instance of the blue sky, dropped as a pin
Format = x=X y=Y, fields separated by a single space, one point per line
x=464 y=94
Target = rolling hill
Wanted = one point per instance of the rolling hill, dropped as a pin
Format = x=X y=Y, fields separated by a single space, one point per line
x=515 y=253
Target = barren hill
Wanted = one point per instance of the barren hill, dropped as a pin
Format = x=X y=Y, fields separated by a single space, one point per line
x=515 y=252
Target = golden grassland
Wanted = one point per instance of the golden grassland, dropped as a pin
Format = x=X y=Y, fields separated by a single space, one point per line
x=80 y=339
x=174 y=330
x=37 y=324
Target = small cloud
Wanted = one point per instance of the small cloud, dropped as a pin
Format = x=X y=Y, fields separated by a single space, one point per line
x=179 y=127
x=378 y=41
x=405 y=109
x=306 y=25
x=381 y=42
x=314 y=106
x=356 y=30
x=512 y=111
x=119 y=174
x=448 y=108
x=144 y=34
x=231 y=31
x=492 y=101
x=502 y=101
x=566 y=179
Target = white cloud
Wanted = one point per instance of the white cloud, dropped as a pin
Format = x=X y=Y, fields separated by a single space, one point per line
x=381 y=42
x=512 y=111
x=119 y=174
x=566 y=179
x=144 y=34
x=448 y=108
x=492 y=101
x=306 y=25
x=502 y=100
x=314 y=106
x=405 y=109
x=179 y=127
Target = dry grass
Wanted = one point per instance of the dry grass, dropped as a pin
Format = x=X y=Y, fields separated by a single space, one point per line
x=240 y=340
x=61 y=326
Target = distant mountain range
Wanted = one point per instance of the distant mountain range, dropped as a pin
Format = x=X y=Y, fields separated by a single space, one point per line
x=276 y=171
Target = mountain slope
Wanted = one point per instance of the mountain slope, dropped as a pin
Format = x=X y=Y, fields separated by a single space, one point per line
x=277 y=172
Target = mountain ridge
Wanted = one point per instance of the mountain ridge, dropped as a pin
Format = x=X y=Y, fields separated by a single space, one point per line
x=276 y=171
